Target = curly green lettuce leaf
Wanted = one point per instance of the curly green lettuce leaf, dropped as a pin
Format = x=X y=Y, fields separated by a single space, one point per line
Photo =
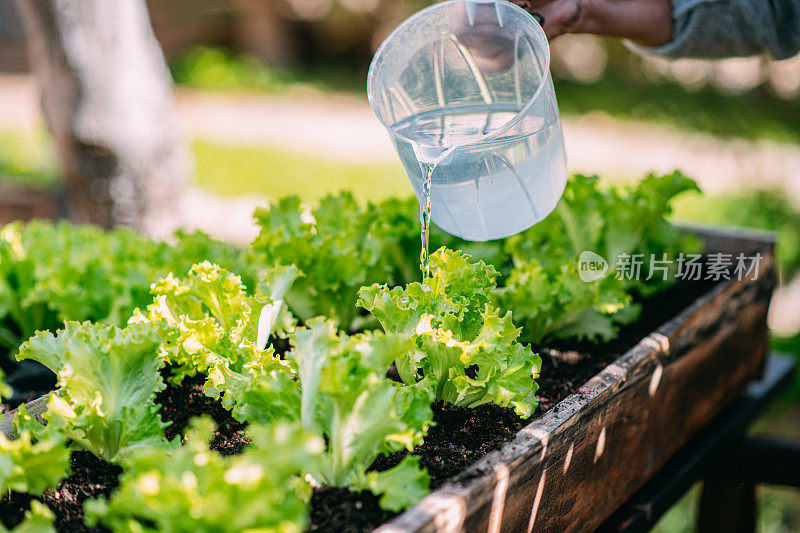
x=556 y=303
x=544 y=290
x=608 y=221
x=465 y=352
x=39 y=519
x=37 y=459
x=215 y=327
x=192 y=488
x=51 y=272
x=399 y=487
x=346 y=398
x=109 y=378
x=340 y=246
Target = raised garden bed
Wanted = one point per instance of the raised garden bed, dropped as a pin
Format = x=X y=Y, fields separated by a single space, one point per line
x=606 y=422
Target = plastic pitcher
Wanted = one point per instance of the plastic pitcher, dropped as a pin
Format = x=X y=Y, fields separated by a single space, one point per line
x=464 y=89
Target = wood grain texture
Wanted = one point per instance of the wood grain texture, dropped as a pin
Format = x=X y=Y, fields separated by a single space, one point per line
x=571 y=468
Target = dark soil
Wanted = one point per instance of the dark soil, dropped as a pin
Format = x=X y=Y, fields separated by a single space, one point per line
x=91 y=478
x=180 y=404
x=353 y=511
x=460 y=436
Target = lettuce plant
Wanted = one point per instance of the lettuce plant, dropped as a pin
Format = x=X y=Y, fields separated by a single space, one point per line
x=555 y=303
x=55 y=272
x=215 y=327
x=341 y=393
x=37 y=459
x=192 y=488
x=346 y=397
x=339 y=246
x=466 y=351
x=544 y=289
x=109 y=378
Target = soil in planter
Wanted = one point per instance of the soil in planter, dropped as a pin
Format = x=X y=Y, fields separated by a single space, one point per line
x=180 y=404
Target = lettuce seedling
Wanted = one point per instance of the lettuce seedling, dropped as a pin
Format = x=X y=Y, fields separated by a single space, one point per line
x=215 y=327
x=37 y=459
x=344 y=396
x=556 y=303
x=339 y=246
x=192 y=488
x=55 y=272
x=109 y=378
x=466 y=352
x=544 y=289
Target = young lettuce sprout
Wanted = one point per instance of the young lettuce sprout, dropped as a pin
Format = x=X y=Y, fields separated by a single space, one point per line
x=544 y=289
x=346 y=397
x=341 y=394
x=465 y=351
x=108 y=378
x=37 y=459
x=215 y=327
x=192 y=488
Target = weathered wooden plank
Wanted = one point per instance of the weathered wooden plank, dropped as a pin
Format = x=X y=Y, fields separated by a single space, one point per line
x=570 y=469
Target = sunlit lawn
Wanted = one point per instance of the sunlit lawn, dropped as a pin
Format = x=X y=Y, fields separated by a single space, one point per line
x=273 y=173
x=27 y=157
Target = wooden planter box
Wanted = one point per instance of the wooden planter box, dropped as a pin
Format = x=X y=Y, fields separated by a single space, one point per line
x=570 y=469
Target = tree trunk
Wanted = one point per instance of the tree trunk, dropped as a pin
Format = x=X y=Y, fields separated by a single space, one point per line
x=108 y=102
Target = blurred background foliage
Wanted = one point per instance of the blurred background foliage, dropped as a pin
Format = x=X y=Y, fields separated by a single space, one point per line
x=318 y=48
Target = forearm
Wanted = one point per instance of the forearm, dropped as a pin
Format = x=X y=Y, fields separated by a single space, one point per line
x=680 y=28
x=646 y=22
x=730 y=28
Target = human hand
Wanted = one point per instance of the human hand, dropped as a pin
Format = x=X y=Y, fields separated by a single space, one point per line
x=647 y=22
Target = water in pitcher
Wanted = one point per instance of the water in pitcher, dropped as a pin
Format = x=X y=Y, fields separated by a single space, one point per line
x=519 y=174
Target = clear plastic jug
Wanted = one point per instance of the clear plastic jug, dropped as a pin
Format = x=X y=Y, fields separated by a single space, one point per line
x=464 y=89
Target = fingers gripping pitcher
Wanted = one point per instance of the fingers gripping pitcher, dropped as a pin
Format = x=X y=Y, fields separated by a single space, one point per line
x=464 y=89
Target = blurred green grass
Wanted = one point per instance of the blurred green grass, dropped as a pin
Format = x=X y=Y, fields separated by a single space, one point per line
x=27 y=158
x=220 y=69
x=767 y=209
x=273 y=173
x=757 y=114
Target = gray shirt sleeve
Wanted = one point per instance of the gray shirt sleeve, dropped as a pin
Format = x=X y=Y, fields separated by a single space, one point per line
x=731 y=28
